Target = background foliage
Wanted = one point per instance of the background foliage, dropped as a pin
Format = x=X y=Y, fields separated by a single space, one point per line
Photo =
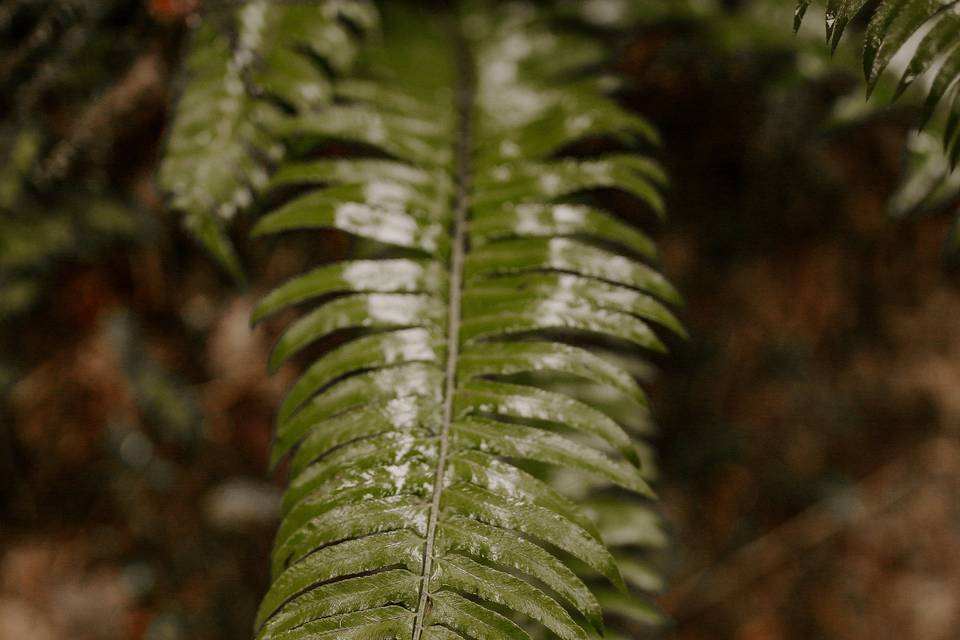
x=802 y=299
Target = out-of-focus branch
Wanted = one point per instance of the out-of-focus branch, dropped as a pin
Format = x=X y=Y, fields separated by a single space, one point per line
x=789 y=543
x=143 y=83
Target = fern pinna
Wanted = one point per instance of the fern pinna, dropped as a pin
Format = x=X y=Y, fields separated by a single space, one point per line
x=892 y=24
x=925 y=34
x=473 y=349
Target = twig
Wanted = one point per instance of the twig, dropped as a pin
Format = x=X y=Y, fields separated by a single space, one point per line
x=789 y=542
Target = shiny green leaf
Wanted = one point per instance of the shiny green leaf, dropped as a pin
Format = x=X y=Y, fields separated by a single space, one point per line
x=522 y=315
x=892 y=32
x=549 y=181
x=530 y=403
x=379 y=222
x=505 y=548
x=408 y=414
x=385 y=450
x=839 y=13
x=938 y=41
x=351 y=521
x=390 y=349
x=468 y=576
x=471 y=619
x=572 y=288
x=529 y=443
x=946 y=77
x=398 y=586
x=339 y=403
x=521 y=357
x=357 y=276
x=532 y=220
x=412 y=139
x=351 y=557
x=361 y=311
x=362 y=171
x=480 y=504
x=508 y=481
x=562 y=254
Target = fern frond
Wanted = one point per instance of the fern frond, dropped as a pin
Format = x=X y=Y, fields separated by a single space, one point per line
x=936 y=55
x=247 y=67
x=927 y=183
x=431 y=447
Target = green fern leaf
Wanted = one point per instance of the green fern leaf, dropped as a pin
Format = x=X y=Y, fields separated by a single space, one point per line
x=892 y=24
x=937 y=42
x=889 y=29
x=465 y=375
x=839 y=13
x=242 y=64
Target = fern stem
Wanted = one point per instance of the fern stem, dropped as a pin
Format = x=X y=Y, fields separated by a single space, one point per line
x=464 y=109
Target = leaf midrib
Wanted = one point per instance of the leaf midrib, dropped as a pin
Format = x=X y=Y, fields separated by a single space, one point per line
x=464 y=99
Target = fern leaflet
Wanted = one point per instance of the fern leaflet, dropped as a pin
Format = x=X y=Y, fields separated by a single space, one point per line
x=892 y=24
